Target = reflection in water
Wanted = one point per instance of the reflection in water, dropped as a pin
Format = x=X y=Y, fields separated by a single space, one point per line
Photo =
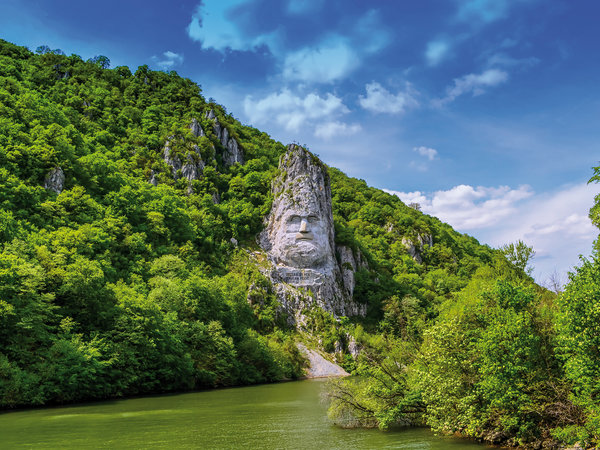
x=285 y=415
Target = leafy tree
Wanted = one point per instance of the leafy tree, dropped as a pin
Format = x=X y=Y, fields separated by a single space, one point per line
x=519 y=254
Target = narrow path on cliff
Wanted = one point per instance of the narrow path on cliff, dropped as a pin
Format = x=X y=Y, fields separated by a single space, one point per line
x=319 y=367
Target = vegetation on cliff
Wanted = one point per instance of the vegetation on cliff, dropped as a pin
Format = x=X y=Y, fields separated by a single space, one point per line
x=111 y=285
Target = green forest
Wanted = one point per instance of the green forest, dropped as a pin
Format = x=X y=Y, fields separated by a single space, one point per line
x=115 y=286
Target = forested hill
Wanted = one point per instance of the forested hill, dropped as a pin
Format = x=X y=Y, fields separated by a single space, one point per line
x=125 y=230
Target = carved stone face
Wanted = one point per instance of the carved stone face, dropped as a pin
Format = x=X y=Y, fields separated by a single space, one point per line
x=302 y=239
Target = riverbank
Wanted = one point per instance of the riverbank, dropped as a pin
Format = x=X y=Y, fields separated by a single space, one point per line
x=318 y=366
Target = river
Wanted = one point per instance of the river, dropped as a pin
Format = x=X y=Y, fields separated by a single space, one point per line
x=283 y=416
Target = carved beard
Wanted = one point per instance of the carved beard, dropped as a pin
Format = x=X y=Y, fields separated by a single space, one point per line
x=302 y=238
x=303 y=254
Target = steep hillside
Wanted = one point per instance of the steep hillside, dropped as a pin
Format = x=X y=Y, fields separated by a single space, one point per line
x=129 y=213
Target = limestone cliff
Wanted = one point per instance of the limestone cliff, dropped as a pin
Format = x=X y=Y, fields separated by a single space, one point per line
x=415 y=246
x=55 y=180
x=232 y=153
x=300 y=243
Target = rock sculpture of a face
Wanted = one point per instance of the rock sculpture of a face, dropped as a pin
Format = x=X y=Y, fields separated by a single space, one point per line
x=299 y=241
x=302 y=239
x=300 y=229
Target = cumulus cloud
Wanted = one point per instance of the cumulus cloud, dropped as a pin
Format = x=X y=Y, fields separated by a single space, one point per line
x=466 y=207
x=168 y=60
x=474 y=84
x=429 y=153
x=293 y=112
x=329 y=55
x=329 y=130
x=380 y=100
x=337 y=54
x=556 y=224
x=328 y=61
x=212 y=25
x=436 y=51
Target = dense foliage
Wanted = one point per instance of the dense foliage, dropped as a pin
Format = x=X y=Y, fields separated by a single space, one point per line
x=116 y=286
x=503 y=359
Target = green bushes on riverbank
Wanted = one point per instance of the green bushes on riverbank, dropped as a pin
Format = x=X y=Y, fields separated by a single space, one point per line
x=504 y=361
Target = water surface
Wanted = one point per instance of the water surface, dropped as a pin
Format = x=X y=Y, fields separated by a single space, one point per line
x=275 y=416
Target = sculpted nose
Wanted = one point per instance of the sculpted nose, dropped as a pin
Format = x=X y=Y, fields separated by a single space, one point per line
x=304 y=226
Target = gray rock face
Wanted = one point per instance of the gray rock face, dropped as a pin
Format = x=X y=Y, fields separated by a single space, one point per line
x=415 y=247
x=350 y=262
x=172 y=161
x=192 y=169
x=299 y=240
x=196 y=128
x=153 y=178
x=233 y=153
x=353 y=348
x=55 y=180
x=194 y=166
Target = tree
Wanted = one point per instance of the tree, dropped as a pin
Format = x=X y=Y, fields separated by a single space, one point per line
x=519 y=254
x=101 y=61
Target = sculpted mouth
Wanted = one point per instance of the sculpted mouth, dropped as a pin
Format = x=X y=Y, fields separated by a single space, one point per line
x=304 y=236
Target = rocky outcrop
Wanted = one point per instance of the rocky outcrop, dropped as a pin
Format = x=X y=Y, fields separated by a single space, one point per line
x=55 y=180
x=196 y=128
x=194 y=165
x=350 y=262
x=299 y=241
x=415 y=246
x=232 y=151
x=172 y=161
x=153 y=178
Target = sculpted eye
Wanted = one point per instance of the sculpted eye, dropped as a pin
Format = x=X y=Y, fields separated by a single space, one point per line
x=313 y=219
x=294 y=219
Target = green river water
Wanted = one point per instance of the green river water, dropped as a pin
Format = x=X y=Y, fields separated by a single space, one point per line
x=275 y=416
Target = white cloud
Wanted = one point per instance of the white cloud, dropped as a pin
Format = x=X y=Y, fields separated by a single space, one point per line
x=213 y=27
x=293 y=112
x=466 y=207
x=429 y=153
x=328 y=61
x=168 y=60
x=556 y=224
x=380 y=100
x=329 y=130
x=473 y=83
x=220 y=25
x=336 y=55
x=436 y=51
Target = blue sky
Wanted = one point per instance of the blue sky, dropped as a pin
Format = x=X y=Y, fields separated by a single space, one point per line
x=484 y=111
